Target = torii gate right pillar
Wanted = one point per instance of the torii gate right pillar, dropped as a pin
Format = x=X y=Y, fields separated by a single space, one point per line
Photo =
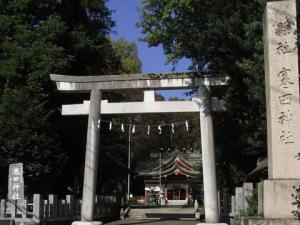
x=211 y=207
x=208 y=158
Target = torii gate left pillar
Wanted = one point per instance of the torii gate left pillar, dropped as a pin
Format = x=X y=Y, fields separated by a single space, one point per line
x=95 y=84
x=91 y=158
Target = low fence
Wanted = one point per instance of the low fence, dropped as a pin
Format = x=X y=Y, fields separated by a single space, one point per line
x=53 y=209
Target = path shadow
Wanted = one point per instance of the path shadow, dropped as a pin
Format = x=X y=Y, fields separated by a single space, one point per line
x=135 y=222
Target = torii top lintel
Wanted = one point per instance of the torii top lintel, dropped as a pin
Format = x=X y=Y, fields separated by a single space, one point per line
x=134 y=81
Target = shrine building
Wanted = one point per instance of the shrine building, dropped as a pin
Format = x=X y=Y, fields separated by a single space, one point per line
x=169 y=173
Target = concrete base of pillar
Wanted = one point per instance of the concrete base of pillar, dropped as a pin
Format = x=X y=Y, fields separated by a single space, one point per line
x=260 y=221
x=87 y=223
x=212 y=224
x=275 y=198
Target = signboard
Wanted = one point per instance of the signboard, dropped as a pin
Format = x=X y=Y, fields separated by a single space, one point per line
x=16 y=182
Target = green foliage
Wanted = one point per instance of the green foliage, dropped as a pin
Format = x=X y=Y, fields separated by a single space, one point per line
x=252 y=209
x=133 y=202
x=27 y=57
x=38 y=38
x=181 y=139
x=115 y=142
x=128 y=54
x=196 y=184
x=221 y=38
x=27 y=136
x=296 y=202
x=298 y=156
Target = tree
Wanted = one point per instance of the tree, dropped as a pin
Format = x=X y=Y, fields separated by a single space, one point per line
x=114 y=143
x=38 y=38
x=128 y=54
x=221 y=38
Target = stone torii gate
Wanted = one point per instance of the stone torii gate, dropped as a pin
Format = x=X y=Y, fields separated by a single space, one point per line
x=96 y=84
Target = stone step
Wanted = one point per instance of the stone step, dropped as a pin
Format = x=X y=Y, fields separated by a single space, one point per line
x=162 y=213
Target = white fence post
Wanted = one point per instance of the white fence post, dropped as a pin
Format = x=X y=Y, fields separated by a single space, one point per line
x=70 y=206
x=37 y=207
x=46 y=209
x=232 y=208
x=13 y=204
x=24 y=209
x=96 y=205
x=239 y=201
x=64 y=208
x=3 y=208
x=53 y=206
x=101 y=205
x=247 y=194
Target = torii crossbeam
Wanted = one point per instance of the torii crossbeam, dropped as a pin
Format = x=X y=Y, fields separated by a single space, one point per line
x=96 y=84
x=147 y=106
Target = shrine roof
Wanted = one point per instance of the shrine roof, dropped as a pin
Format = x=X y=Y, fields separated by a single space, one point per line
x=179 y=162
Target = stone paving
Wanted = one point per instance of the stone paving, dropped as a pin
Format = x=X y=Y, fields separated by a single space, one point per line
x=152 y=222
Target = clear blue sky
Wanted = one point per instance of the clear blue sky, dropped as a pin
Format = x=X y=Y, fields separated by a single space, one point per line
x=153 y=59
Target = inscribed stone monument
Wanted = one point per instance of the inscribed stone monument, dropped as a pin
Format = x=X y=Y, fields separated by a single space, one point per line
x=282 y=89
x=16 y=182
x=283 y=117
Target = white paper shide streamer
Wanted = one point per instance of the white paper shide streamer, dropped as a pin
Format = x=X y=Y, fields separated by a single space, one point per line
x=132 y=127
x=187 y=125
x=159 y=129
x=98 y=124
